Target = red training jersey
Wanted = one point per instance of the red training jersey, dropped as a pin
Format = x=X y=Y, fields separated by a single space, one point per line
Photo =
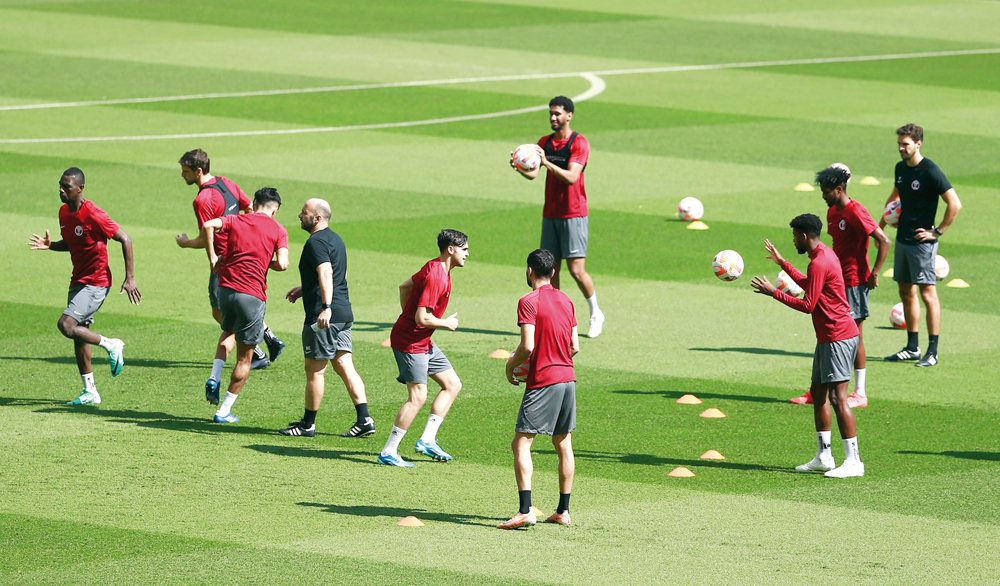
x=563 y=200
x=554 y=317
x=825 y=297
x=850 y=229
x=431 y=289
x=86 y=233
x=254 y=239
x=211 y=204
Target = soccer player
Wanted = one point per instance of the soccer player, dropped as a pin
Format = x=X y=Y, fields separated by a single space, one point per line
x=850 y=225
x=549 y=337
x=564 y=155
x=323 y=271
x=218 y=197
x=424 y=299
x=255 y=243
x=85 y=232
x=919 y=184
x=836 y=341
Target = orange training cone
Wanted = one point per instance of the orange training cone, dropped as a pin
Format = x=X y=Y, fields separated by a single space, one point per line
x=410 y=521
x=538 y=512
x=501 y=353
x=387 y=342
x=681 y=472
x=712 y=455
x=713 y=412
x=689 y=400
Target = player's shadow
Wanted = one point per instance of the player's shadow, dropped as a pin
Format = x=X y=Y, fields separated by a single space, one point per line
x=771 y=351
x=990 y=456
x=650 y=460
x=678 y=394
x=17 y=402
x=300 y=452
x=158 y=420
x=398 y=513
x=135 y=362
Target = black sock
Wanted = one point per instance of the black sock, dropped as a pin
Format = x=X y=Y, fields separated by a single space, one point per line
x=525 y=497
x=563 y=503
x=362 y=409
x=309 y=418
x=258 y=354
x=932 y=345
x=913 y=341
x=269 y=336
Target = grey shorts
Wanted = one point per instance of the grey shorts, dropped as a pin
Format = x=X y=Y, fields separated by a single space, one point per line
x=565 y=237
x=213 y=290
x=83 y=302
x=858 y=298
x=834 y=362
x=415 y=368
x=324 y=344
x=914 y=263
x=548 y=410
x=243 y=315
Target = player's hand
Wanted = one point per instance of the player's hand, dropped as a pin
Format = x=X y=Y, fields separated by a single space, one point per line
x=510 y=377
x=294 y=294
x=129 y=286
x=37 y=242
x=451 y=322
x=541 y=154
x=773 y=254
x=324 y=318
x=215 y=264
x=763 y=286
x=872 y=281
x=182 y=240
x=924 y=235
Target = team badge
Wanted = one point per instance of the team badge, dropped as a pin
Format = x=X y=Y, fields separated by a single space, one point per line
x=915 y=186
x=843 y=225
x=78 y=230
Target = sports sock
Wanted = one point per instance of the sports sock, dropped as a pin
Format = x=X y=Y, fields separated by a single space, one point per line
x=563 y=503
x=392 y=444
x=912 y=341
x=932 y=344
x=824 y=448
x=227 y=404
x=269 y=336
x=217 y=365
x=524 y=496
x=105 y=343
x=592 y=302
x=309 y=418
x=851 y=450
x=859 y=381
x=431 y=431
x=362 y=409
x=258 y=354
x=88 y=382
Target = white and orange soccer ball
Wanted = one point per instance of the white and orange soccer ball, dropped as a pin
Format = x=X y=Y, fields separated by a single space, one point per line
x=897 y=318
x=690 y=209
x=941 y=267
x=728 y=265
x=891 y=213
x=521 y=371
x=526 y=158
x=786 y=284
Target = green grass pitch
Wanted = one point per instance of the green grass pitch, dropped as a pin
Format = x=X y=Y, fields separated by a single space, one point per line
x=144 y=489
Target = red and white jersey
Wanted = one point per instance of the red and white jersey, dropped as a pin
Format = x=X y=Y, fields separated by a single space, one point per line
x=431 y=289
x=554 y=317
x=86 y=233
x=850 y=229
x=254 y=239
x=825 y=297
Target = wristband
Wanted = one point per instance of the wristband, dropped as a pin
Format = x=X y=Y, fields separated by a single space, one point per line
x=936 y=230
x=325 y=306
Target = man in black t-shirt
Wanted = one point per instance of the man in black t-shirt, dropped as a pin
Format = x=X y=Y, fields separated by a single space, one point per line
x=326 y=333
x=919 y=184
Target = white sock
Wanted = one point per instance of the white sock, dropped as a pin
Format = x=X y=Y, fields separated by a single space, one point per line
x=851 y=450
x=431 y=431
x=859 y=381
x=592 y=302
x=824 y=449
x=227 y=404
x=105 y=343
x=392 y=444
x=88 y=382
x=217 y=369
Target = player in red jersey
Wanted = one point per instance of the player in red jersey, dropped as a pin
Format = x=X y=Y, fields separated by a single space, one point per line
x=424 y=299
x=565 y=216
x=256 y=243
x=836 y=341
x=549 y=337
x=85 y=232
x=850 y=225
x=218 y=197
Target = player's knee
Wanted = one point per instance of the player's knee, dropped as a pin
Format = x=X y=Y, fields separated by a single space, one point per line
x=66 y=324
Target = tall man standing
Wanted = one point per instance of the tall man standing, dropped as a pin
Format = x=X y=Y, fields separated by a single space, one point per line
x=85 y=230
x=326 y=333
x=549 y=338
x=424 y=298
x=836 y=341
x=919 y=184
x=850 y=225
x=256 y=243
x=564 y=155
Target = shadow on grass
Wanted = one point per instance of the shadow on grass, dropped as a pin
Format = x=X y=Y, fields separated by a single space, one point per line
x=398 y=513
x=991 y=456
x=139 y=362
x=648 y=460
x=678 y=394
x=15 y=402
x=770 y=351
x=371 y=326
x=299 y=452
x=157 y=420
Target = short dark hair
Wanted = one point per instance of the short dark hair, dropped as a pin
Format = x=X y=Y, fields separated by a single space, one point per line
x=76 y=173
x=266 y=195
x=196 y=159
x=808 y=224
x=451 y=238
x=542 y=262
x=833 y=177
x=566 y=103
x=911 y=130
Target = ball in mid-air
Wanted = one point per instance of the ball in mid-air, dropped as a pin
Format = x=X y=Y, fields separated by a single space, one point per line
x=728 y=265
x=526 y=158
x=891 y=213
x=897 y=318
x=690 y=209
x=941 y=267
x=786 y=284
x=521 y=371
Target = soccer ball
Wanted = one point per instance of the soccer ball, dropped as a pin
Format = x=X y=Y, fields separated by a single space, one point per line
x=521 y=372
x=941 y=267
x=728 y=265
x=897 y=318
x=690 y=209
x=891 y=213
x=786 y=284
x=526 y=158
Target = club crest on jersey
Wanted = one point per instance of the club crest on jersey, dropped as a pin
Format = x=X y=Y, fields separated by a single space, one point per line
x=915 y=185
x=843 y=225
x=78 y=230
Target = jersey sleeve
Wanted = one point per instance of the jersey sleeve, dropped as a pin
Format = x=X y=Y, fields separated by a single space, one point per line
x=794 y=273
x=525 y=312
x=227 y=222
x=282 y=238
x=580 y=151
x=245 y=203
x=104 y=223
x=812 y=285
x=434 y=288
x=203 y=207
x=541 y=141
x=941 y=182
x=863 y=220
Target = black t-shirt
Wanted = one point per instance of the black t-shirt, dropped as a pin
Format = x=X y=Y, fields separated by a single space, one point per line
x=919 y=189
x=325 y=246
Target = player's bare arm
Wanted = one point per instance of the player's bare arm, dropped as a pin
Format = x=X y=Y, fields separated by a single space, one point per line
x=37 y=242
x=575 y=344
x=294 y=294
x=184 y=242
x=522 y=353
x=950 y=213
x=882 y=244
x=425 y=318
x=405 y=288
x=325 y=273
x=568 y=176
x=281 y=262
x=128 y=286
x=209 y=229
